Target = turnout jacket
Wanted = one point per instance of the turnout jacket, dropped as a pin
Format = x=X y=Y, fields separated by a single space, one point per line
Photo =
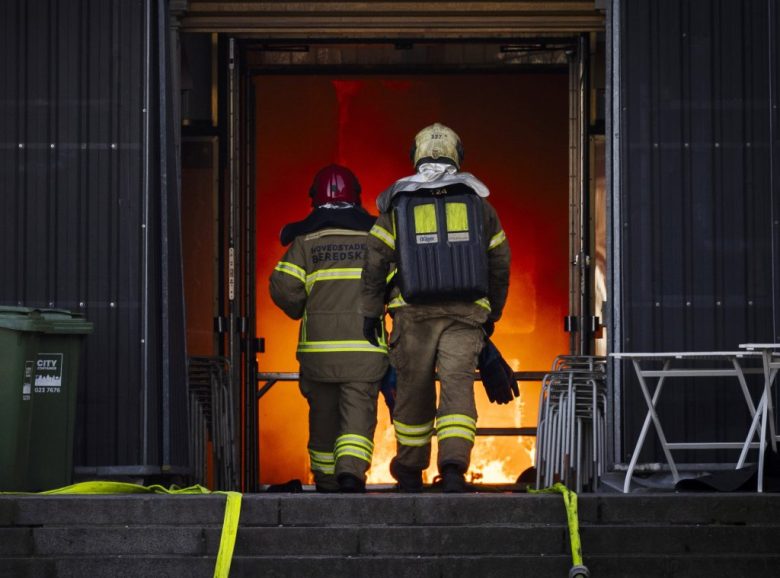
x=318 y=281
x=383 y=254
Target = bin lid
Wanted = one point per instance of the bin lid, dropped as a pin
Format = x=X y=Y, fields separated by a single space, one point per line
x=20 y=318
x=43 y=320
x=64 y=321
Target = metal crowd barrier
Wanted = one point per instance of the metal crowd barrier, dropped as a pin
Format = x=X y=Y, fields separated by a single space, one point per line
x=571 y=433
x=212 y=421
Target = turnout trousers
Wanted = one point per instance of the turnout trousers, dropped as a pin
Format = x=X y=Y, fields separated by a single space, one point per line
x=342 y=420
x=423 y=339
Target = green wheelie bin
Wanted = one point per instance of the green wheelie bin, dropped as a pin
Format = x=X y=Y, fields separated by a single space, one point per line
x=19 y=334
x=54 y=396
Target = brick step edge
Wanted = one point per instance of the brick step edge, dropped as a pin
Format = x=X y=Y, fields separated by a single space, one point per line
x=607 y=566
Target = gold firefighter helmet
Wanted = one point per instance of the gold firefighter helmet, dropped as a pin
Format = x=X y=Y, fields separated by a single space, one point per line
x=436 y=143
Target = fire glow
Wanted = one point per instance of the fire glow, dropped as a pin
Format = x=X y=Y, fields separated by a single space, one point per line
x=514 y=129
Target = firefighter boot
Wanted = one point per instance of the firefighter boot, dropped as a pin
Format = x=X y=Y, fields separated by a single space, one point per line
x=350 y=484
x=409 y=480
x=452 y=479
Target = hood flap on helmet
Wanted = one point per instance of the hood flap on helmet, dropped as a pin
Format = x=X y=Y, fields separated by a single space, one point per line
x=429 y=179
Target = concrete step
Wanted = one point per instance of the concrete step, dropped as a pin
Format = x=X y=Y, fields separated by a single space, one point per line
x=634 y=566
x=485 y=540
x=390 y=509
x=389 y=534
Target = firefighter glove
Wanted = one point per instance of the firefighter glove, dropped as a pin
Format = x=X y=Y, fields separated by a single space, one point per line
x=497 y=377
x=372 y=330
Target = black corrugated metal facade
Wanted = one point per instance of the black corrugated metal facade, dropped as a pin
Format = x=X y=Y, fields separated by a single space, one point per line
x=698 y=198
x=90 y=212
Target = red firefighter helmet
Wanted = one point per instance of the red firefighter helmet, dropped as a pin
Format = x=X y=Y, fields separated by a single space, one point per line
x=334 y=184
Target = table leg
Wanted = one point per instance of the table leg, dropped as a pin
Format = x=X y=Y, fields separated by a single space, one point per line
x=771 y=411
x=752 y=431
x=743 y=386
x=765 y=411
x=646 y=425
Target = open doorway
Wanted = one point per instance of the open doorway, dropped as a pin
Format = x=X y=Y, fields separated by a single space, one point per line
x=515 y=129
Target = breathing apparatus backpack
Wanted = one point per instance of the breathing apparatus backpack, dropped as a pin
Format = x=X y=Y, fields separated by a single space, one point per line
x=442 y=250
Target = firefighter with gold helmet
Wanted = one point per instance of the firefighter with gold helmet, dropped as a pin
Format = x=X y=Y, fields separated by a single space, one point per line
x=318 y=281
x=439 y=248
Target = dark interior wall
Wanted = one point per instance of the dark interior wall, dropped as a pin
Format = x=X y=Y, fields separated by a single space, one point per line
x=90 y=211
x=698 y=197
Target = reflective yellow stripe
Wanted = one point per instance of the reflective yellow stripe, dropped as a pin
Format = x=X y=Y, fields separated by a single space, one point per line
x=325 y=469
x=355 y=440
x=390 y=275
x=413 y=435
x=354 y=452
x=397 y=301
x=324 y=462
x=484 y=303
x=383 y=235
x=455 y=432
x=354 y=445
x=414 y=442
x=326 y=457
x=456 y=419
x=351 y=273
x=334 y=346
x=425 y=219
x=413 y=429
x=456 y=425
x=291 y=269
x=457 y=217
x=497 y=239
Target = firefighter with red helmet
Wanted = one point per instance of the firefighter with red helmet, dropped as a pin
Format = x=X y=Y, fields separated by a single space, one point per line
x=318 y=281
x=443 y=245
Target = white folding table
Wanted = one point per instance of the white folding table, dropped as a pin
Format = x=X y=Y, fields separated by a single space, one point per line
x=670 y=368
x=764 y=415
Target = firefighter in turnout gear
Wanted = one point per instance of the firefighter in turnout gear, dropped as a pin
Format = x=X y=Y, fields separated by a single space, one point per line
x=439 y=248
x=318 y=281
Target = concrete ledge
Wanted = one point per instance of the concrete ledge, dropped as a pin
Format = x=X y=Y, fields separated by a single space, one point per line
x=401 y=567
x=260 y=510
x=679 y=539
x=335 y=509
x=684 y=508
x=27 y=567
x=7 y=510
x=442 y=509
x=455 y=540
x=124 y=540
x=290 y=541
x=15 y=542
x=642 y=566
x=129 y=509
x=134 y=567
x=610 y=566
